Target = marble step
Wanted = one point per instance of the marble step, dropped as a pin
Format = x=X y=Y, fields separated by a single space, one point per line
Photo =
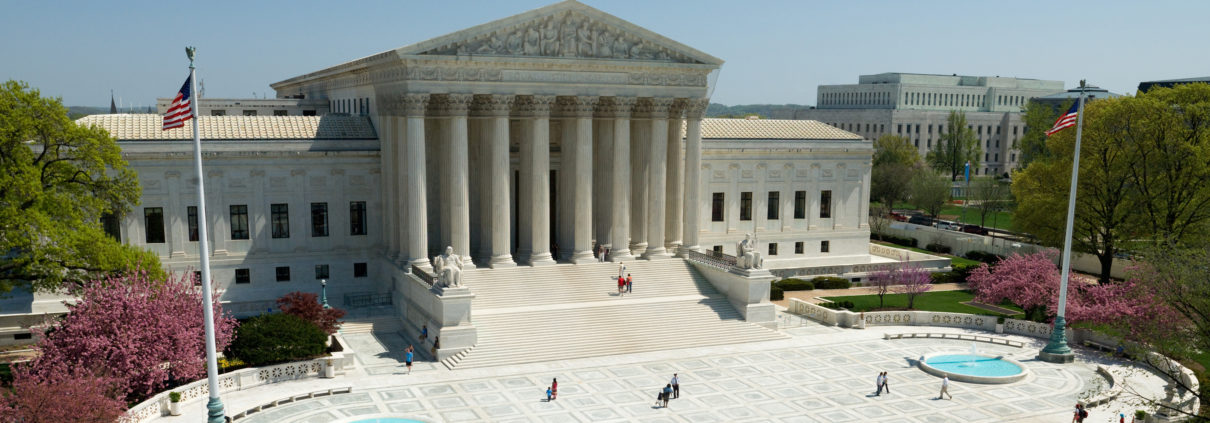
x=374 y=324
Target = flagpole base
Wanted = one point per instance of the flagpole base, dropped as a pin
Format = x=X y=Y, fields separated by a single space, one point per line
x=215 y=413
x=1056 y=350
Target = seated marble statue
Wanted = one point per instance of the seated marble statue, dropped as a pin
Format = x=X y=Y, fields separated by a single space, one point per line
x=746 y=256
x=448 y=267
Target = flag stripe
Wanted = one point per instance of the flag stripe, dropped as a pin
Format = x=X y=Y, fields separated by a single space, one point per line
x=1067 y=120
x=181 y=108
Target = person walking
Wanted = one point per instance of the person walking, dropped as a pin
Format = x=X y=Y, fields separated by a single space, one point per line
x=554 y=388
x=629 y=284
x=408 y=358
x=424 y=333
x=885 y=385
x=549 y=394
x=676 y=386
x=878 y=384
x=945 y=388
x=667 y=394
x=621 y=285
x=1080 y=414
x=621 y=269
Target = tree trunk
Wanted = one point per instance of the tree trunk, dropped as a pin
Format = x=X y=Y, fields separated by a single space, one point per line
x=1106 y=265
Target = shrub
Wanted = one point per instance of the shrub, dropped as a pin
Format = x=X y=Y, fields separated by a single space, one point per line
x=776 y=293
x=984 y=256
x=831 y=282
x=793 y=284
x=938 y=248
x=837 y=305
x=908 y=242
x=1000 y=320
x=275 y=338
x=958 y=275
x=306 y=306
x=229 y=364
x=174 y=396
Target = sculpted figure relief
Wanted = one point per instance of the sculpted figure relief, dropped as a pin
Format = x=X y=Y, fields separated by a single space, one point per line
x=604 y=43
x=514 y=41
x=449 y=269
x=746 y=256
x=568 y=36
x=533 y=41
x=550 y=39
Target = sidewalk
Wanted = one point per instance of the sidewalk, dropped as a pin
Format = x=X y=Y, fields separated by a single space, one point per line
x=809 y=296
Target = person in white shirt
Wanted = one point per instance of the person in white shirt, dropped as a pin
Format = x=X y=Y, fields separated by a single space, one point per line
x=676 y=386
x=945 y=388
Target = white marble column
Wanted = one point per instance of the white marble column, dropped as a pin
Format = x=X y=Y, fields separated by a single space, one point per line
x=457 y=178
x=620 y=200
x=386 y=147
x=417 y=207
x=498 y=107
x=657 y=172
x=580 y=109
x=399 y=196
x=640 y=136
x=533 y=199
x=676 y=178
x=693 y=175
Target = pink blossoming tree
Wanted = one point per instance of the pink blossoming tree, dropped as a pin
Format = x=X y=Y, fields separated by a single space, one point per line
x=144 y=333
x=911 y=280
x=61 y=396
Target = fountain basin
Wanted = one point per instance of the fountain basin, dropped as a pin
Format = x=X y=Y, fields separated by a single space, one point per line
x=974 y=368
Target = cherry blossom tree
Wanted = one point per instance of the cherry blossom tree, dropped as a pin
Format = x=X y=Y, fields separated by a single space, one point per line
x=911 y=280
x=881 y=281
x=62 y=396
x=306 y=306
x=143 y=332
x=1031 y=281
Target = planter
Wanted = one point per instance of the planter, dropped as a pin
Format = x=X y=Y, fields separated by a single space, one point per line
x=329 y=370
x=999 y=328
x=174 y=408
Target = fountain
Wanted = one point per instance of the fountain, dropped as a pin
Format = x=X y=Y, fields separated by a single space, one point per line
x=974 y=367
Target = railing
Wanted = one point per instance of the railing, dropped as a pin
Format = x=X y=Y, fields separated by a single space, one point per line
x=423 y=275
x=363 y=299
x=715 y=259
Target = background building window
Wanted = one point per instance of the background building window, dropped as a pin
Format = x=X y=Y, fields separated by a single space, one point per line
x=825 y=204
x=191 y=219
x=800 y=204
x=243 y=276
x=280 y=112
x=197 y=278
x=319 y=219
x=218 y=112
x=745 y=206
x=309 y=113
x=112 y=226
x=360 y=270
x=825 y=246
x=153 y=221
x=798 y=247
x=239 y=221
x=249 y=112
x=774 y=202
x=280 y=218
x=716 y=207
x=321 y=271
x=283 y=273
x=718 y=250
x=772 y=248
x=357 y=218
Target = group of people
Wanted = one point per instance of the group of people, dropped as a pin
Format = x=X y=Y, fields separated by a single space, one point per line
x=552 y=391
x=625 y=283
x=410 y=352
x=671 y=391
x=880 y=381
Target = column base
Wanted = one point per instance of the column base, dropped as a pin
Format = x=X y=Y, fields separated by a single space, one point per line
x=215 y=411
x=581 y=257
x=622 y=255
x=1056 y=358
x=638 y=249
x=684 y=250
x=541 y=259
x=658 y=253
x=502 y=261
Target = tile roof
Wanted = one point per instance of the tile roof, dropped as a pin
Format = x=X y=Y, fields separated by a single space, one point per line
x=147 y=127
x=773 y=129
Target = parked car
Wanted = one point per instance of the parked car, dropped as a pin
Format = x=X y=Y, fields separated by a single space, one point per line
x=899 y=217
x=921 y=220
x=974 y=229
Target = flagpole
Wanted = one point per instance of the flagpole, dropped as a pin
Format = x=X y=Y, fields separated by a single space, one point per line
x=1056 y=350
x=216 y=412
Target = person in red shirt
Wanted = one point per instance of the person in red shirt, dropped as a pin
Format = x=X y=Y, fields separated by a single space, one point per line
x=629 y=284
x=621 y=285
x=554 y=389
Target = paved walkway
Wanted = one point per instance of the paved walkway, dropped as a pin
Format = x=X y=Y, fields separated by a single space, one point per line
x=819 y=374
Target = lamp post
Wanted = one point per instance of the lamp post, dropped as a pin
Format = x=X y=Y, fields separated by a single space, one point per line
x=323 y=299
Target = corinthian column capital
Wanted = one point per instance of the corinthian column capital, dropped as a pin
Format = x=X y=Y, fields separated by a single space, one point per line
x=578 y=106
x=414 y=104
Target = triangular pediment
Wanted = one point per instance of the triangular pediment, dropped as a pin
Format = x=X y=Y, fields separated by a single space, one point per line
x=568 y=29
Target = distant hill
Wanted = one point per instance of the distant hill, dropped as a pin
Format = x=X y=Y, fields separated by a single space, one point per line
x=767 y=111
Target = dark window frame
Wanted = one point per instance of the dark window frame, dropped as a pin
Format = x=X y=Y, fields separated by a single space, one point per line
x=243 y=276
x=322 y=271
x=773 y=208
x=279 y=220
x=800 y=204
x=357 y=218
x=153 y=225
x=799 y=247
x=282 y=273
x=239 y=221
x=319 y=219
x=825 y=246
x=718 y=207
x=772 y=248
x=825 y=204
x=191 y=222
x=745 y=206
x=361 y=270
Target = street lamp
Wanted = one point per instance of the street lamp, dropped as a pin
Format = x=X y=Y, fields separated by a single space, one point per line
x=323 y=299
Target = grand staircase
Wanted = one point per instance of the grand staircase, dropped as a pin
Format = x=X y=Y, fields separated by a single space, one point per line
x=527 y=315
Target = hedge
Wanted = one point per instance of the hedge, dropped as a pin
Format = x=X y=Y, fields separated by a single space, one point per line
x=958 y=275
x=938 y=248
x=909 y=242
x=776 y=293
x=984 y=256
x=837 y=305
x=793 y=284
x=831 y=282
x=275 y=338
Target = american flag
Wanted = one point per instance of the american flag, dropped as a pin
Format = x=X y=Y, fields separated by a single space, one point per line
x=181 y=108
x=1067 y=120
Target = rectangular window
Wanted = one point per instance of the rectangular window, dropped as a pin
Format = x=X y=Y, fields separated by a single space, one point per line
x=239 y=221
x=798 y=247
x=360 y=270
x=772 y=248
x=153 y=220
x=191 y=218
x=197 y=278
x=321 y=271
x=716 y=207
x=745 y=206
x=996 y=157
x=280 y=112
x=1012 y=157
x=249 y=112
x=280 y=218
x=319 y=219
x=308 y=113
x=218 y=112
x=774 y=202
x=718 y=250
x=112 y=226
x=357 y=218
x=283 y=273
x=800 y=204
x=825 y=204
x=825 y=246
x=243 y=276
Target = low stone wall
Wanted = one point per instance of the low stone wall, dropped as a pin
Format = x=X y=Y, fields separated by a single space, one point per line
x=157 y=406
x=748 y=293
x=446 y=312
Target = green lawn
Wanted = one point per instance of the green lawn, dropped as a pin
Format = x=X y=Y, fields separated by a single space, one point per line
x=1000 y=220
x=944 y=301
x=954 y=260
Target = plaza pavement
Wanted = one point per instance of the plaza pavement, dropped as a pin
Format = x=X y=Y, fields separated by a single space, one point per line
x=819 y=374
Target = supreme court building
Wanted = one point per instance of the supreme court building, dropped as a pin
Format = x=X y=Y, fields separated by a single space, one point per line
x=527 y=141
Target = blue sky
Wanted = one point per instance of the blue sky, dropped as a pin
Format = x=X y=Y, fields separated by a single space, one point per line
x=776 y=51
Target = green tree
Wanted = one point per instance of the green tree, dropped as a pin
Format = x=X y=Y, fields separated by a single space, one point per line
x=957 y=146
x=929 y=191
x=895 y=161
x=56 y=181
x=1038 y=119
x=988 y=196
